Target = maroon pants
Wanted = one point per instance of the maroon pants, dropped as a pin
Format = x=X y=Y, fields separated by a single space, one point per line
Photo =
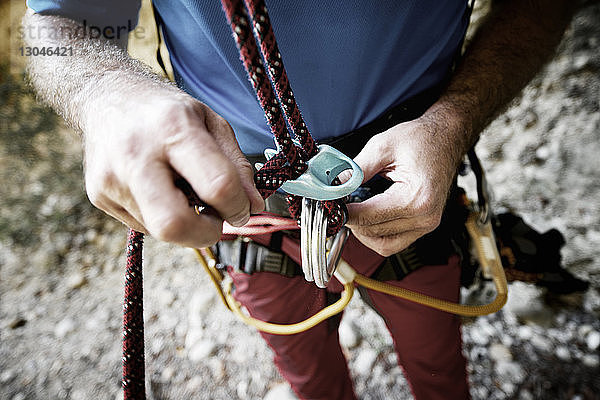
x=427 y=341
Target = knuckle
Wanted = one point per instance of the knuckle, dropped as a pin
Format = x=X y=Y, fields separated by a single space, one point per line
x=168 y=228
x=97 y=184
x=222 y=187
x=433 y=221
x=211 y=237
x=385 y=248
x=95 y=196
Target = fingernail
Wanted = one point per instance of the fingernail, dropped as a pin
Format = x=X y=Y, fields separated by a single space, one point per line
x=240 y=221
x=345 y=175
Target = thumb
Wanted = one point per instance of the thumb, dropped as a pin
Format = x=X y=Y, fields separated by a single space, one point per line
x=230 y=146
x=257 y=203
x=374 y=157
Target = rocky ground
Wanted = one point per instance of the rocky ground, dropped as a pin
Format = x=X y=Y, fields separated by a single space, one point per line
x=61 y=267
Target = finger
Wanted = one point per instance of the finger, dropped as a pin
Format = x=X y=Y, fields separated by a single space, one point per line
x=230 y=147
x=246 y=173
x=101 y=200
x=212 y=175
x=423 y=224
x=375 y=156
x=396 y=202
x=165 y=210
x=121 y=214
x=388 y=245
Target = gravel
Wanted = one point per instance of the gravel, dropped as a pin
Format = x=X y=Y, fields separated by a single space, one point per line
x=61 y=264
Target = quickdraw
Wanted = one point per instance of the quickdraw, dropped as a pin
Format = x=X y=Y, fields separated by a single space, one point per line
x=308 y=173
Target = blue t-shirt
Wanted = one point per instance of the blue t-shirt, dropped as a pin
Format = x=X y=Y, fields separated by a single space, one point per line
x=347 y=62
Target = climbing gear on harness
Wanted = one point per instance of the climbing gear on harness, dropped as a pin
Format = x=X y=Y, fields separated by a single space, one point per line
x=315 y=184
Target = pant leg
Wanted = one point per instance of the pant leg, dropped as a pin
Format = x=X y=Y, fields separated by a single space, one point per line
x=428 y=341
x=311 y=361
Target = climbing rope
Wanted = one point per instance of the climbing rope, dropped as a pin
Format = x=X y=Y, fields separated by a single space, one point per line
x=276 y=99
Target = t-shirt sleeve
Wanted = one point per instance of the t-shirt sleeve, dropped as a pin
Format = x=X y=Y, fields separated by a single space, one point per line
x=104 y=14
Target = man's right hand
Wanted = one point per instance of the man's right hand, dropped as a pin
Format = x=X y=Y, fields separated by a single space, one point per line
x=133 y=159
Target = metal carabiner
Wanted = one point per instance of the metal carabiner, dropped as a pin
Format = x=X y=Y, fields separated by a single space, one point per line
x=320 y=255
x=318 y=261
x=306 y=222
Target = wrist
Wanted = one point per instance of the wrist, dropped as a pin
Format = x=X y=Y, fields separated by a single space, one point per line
x=121 y=97
x=452 y=131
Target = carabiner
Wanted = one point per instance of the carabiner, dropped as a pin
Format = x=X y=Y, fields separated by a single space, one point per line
x=320 y=255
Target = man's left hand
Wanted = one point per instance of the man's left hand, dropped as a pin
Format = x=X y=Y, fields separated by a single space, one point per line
x=417 y=157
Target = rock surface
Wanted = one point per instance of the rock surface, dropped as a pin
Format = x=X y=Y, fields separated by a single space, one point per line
x=61 y=264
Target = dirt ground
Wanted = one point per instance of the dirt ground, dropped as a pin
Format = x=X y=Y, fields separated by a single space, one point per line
x=62 y=261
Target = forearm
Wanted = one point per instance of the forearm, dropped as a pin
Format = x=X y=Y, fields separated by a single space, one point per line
x=97 y=79
x=508 y=50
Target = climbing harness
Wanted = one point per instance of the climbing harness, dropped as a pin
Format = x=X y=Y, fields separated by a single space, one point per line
x=316 y=198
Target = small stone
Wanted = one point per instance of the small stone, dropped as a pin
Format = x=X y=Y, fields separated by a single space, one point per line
x=217 y=368
x=478 y=352
x=19 y=396
x=541 y=343
x=76 y=280
x=64 y=327
x=593 y=340
x=91 y=235
x=499 y=353
x=166 y=297
x=525 y=395
x=525 y=332
x=508 y=388
x=481 y=392
x=119 y=395
x=348 y=335
x=195 y=384
x=167 y=374
x=242 y=389
x=364 y=361
x=17 y=322
x=479 y=337
x=201 y=350
x=510 y=371
x=7 y=376
x=543 y=153
x=583 y=330
x=563 y=353
x=281 y=391
x=591 y=360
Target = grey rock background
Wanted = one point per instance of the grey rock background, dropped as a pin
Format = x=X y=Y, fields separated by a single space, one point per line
x=61 y=265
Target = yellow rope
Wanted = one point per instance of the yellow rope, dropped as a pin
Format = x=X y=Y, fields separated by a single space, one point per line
x=481 y=235
x=290 y=329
